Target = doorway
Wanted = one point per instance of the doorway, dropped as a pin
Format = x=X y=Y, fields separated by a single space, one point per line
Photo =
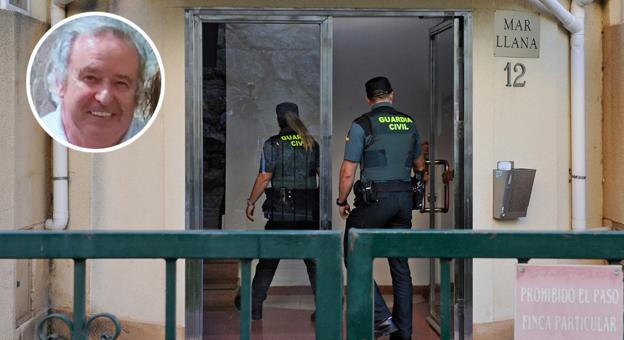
x=342 y=52
x=445 y=199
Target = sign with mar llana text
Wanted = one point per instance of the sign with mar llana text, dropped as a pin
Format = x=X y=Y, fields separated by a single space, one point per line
x=516 y=34
x=568 y=302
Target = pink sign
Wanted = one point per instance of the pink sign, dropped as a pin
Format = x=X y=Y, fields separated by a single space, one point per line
x=568 y=302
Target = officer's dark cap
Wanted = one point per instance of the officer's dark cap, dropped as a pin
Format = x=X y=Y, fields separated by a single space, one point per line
x=378 y=87
x=285 y=107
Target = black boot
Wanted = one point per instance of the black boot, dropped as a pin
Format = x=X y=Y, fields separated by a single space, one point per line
x=256 y=307
x=256 y=310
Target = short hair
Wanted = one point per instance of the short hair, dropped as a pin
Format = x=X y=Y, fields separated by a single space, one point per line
x=67 y=34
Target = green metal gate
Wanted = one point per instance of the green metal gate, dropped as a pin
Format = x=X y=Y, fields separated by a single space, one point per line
x=323 y=246
x=364 y=245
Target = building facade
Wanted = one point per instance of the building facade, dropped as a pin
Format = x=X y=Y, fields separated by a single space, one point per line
x=145 y=186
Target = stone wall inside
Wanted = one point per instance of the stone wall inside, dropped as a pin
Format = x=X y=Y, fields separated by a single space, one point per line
x=266 y=64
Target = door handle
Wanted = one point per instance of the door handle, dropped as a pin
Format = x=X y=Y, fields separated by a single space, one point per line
x=445 y=208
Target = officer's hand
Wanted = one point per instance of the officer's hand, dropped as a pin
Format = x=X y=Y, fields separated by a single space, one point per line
x=249 y=211
x=344 y=210
x=447 y=176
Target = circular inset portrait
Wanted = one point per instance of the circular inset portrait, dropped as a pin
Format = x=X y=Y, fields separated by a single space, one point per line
x=95 y=82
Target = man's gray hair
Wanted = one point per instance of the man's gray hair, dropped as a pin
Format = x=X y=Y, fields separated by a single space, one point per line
x=97 y=25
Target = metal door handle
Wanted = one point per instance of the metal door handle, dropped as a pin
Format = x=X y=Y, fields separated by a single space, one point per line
x=445 y=207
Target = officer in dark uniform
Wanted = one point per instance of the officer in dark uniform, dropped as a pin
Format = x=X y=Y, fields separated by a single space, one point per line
x=385 y=142
x=290 y=162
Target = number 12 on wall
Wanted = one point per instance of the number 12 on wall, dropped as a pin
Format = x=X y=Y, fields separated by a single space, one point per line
x=517 y=68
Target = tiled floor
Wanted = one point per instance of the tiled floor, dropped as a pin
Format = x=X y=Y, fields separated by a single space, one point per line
x=287 y=317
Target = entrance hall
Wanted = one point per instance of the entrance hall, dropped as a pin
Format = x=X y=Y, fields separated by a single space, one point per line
x=250 y=65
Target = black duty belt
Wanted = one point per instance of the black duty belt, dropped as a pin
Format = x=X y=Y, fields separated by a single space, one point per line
x=393 y=186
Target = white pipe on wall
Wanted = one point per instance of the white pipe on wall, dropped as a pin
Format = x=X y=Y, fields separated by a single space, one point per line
x=540 y=6
x=60 y=178
x=577 y=79
x=60 y=214
x=575 y=23
x=561 y=13
x=62 y=3
x=57 y=13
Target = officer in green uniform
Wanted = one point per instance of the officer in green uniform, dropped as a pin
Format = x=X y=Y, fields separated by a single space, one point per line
x=290 y=162
x=385 y=142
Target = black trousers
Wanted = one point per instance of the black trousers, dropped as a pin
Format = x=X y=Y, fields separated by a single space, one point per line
x=393 y=210
x=265 y=270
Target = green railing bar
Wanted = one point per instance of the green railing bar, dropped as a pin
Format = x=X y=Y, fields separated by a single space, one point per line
x=446 y=306
x=364 y=245
x=323 y=246
x=360 y=293
x=329 y=295
x=478 y=244
x=79 y=331
x=170 y=300
x=245 y=308
x=206 y=244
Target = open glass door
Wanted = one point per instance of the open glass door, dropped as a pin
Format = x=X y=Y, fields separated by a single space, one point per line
x=444 y=196
x=239 y=67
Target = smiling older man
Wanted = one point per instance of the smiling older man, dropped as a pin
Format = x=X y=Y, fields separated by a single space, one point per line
x=97 y=78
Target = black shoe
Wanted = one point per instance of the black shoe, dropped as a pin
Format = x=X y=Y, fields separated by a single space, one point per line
x=313 y=316
x=256 y=311
x=385 y=327
x=237 y=302
x=395 y=336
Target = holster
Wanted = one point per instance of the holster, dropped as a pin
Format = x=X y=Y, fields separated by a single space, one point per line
x=295 y=203
x=365 y=192
x=418 y=189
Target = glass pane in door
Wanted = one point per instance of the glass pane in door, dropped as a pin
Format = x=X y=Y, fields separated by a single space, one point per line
x=441 y=157
x=264 y=64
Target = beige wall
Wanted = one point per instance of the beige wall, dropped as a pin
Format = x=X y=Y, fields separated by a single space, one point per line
x=513 y=124
x=40 y=10
x=594 y=25
x=530 y=126
x=24 y=187
x=7 y=148
x=613 y=125
x=613 y=12
x=142 y=186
